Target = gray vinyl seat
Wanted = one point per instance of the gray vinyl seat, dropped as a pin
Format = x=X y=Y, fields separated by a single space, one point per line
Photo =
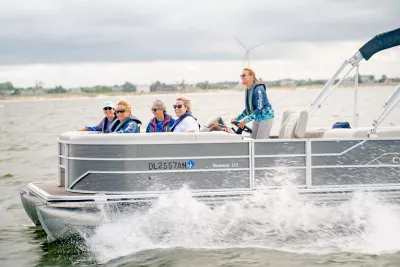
x=293 y=125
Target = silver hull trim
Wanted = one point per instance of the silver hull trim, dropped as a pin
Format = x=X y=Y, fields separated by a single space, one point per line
x=66 y=217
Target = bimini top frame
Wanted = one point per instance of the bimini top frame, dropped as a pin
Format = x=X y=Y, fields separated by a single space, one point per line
x=378 y=43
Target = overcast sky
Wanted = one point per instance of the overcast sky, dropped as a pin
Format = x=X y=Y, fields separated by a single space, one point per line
x=93 y=42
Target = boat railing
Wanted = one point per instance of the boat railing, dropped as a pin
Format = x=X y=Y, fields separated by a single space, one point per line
x=378 y=43
x=135 y=167
x=388 y=107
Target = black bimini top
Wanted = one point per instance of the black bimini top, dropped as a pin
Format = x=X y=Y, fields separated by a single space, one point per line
x=380 y=42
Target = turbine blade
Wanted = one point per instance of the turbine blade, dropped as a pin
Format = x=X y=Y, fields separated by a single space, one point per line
x=241 y=43
x=255 y=46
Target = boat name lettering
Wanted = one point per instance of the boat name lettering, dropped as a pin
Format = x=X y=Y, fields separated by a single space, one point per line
x=226 y=165
x=173 y=165
x=396 y=160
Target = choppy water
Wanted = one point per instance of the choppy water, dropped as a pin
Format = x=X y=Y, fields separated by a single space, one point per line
x=178 y=230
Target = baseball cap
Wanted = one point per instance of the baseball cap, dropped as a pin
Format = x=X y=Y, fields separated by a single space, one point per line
x=108 y=104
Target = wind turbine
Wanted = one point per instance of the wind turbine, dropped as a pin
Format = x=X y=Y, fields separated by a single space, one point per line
x=247 y=54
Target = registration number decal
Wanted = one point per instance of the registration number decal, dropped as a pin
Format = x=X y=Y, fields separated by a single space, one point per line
x=174 y=165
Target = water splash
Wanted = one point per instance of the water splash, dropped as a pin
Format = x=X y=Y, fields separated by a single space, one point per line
x=283 y=220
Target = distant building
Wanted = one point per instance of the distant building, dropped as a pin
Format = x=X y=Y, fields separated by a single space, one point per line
x=367 y=78
x=229 y=85
x=117 y=88
x=288 y=82
x=142 y=88
x=348 y=81
x=192 y=88
x=75 y=90
x=169 y=87
x=6 y=92
x=271 y=83
x=32 y=92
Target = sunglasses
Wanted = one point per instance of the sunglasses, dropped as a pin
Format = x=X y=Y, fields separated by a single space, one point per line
x=177 y=106
x=120 y=111
x=107 y=108
x=243 y=75
x=154 y=109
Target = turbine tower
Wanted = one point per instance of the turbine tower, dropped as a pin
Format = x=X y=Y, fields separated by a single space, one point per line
x=247 y=54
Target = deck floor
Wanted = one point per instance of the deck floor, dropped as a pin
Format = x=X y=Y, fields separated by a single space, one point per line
x=54 y=190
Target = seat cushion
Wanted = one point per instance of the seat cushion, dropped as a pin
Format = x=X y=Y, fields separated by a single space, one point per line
x=293 y=125
x=339 y=133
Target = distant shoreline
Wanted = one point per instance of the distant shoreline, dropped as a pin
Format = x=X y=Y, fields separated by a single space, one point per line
x=108 y=94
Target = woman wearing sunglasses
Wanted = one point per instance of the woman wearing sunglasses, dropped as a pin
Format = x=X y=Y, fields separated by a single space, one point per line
x=104 y=125
x=185 y=122
x=258 y=109
x=126 y=123
x=161 y=122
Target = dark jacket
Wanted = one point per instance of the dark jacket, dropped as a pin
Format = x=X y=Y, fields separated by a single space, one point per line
x=166 y=124
x=130 y=125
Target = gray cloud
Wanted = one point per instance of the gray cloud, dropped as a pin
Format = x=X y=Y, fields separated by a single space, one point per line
x=116 y=31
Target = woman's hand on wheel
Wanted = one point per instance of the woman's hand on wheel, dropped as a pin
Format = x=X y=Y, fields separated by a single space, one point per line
x=242 y=123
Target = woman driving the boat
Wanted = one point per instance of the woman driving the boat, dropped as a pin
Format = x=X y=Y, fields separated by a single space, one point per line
x=126 y=123
x=257 y=107
x=161 y=122
x=185 y=122
x=104 y=125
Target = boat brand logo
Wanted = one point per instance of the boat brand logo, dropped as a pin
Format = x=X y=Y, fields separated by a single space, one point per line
x=191 y=164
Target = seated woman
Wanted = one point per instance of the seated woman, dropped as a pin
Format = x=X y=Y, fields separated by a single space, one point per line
x=126 y=123
x=104 y=125
x=185 y=122
x=162 y=122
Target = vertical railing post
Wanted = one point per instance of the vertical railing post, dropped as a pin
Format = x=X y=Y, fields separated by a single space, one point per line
x=355 y=113
x=308 y=164
x=251 y=163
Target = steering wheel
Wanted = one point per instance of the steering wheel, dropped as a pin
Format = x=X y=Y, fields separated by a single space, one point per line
x=240 y=130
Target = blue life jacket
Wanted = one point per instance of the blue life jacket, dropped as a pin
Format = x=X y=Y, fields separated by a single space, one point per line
x=255 y=97
x=339 y=124
x=181 y=119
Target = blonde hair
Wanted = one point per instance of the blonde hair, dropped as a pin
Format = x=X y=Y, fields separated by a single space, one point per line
x=186 y=102
x=252 y=73
x=127 y=106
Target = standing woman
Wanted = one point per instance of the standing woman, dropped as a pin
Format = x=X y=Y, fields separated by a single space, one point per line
x=185 y=122
x=161 y=122
x=125 y=122
x=258 y=109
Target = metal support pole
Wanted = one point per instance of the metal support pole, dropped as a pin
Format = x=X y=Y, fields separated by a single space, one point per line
x=355 y=113
x=389 y=105
x=322 y=95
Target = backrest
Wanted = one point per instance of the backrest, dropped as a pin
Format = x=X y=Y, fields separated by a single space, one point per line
x=293 y=125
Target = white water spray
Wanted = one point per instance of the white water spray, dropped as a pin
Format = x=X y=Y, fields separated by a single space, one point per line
x=282 y=220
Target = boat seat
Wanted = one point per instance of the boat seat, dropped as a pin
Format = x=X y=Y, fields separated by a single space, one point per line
x=347 y=133
x=220 y=135
x=388 y=132
x=314 y=133
x=293 y=125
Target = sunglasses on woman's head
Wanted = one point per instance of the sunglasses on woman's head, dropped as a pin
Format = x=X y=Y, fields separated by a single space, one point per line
x=120 y=111
x=107 y=108
x=243 y=75
x=177 y=106
x=154 y=109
